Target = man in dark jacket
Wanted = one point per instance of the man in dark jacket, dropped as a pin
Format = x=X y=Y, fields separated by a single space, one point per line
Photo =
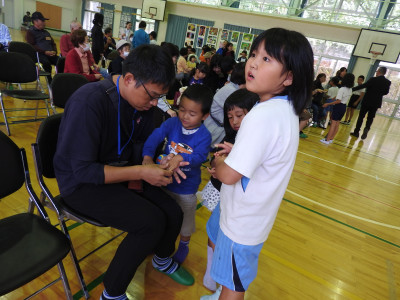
x=42 y=41
x=377 y=87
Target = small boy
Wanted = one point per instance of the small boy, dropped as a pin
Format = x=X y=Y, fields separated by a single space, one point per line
x=354 y=100
x=188 y=144
x=192 y=62
x=242 y=57
x=332 y=93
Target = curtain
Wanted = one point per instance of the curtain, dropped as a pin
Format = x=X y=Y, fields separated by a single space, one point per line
x=352 y=63
x=108 y=13
x=257 y=31
x=83 y=10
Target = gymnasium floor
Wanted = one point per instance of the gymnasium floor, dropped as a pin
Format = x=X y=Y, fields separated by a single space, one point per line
x=336 y=235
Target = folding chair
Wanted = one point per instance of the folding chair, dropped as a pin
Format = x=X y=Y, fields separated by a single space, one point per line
x=19 y=68
x=25 y=48
x=63 y=86
x=29 y=244
x=60 y=65
x=43 y=152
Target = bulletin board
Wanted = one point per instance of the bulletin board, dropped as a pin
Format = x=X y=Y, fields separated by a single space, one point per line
x=52 y=12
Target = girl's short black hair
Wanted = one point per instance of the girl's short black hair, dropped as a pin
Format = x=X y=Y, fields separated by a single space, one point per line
x=183 y=51
x=320 y=75
x=203 y=68
x=243 y=99
x=215 y=61
x=335 y=80
x=348 y=80
x=293 y=50
x=238 y=74
x=227 y=64
x=172 y=49
x=142 y=62
x=200 y=94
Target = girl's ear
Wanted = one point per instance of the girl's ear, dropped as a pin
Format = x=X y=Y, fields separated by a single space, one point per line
x=289 y=79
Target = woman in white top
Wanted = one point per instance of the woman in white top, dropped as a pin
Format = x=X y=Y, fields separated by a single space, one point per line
x=339 y=106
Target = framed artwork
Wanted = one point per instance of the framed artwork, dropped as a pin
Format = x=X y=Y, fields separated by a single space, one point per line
x=224 y=35
x=235 y=36
x=200 y=41
x=202 y=30
x=213 y=31
x=247 y=37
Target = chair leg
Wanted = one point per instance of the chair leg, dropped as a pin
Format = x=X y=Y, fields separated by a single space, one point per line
x=65 y=282
x=47 y=107
x=4 y=114
x=75 y=259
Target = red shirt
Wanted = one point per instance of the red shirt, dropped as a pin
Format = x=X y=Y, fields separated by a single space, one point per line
x=66 y=44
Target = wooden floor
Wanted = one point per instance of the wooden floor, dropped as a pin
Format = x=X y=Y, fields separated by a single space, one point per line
x=336 y=236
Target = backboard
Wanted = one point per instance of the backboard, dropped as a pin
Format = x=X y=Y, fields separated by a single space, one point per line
x=153 y=9
x=384 y=42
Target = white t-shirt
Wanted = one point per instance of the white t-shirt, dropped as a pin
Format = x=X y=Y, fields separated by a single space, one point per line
x=264 y=151
x=344 y=94
x=332 y=92
x=359 y=92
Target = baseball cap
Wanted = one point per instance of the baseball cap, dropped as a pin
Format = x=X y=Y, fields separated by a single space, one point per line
x=37 y=15
x=121 y=43
x=208 y=54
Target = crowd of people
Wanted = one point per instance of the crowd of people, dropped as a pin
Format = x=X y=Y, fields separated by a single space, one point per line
x=246 y=111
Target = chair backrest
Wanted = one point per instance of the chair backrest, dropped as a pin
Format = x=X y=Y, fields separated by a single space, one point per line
x=11 y=170
x=25 y=48
x=46 y=140
x=64 y=85
x=17 y=68
x=60 y=65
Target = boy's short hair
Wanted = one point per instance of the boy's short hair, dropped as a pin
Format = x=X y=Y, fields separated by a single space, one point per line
x=335 y=80
x=238 y=74
x=107 y=30
x=203 y=68
x=200 y=94
x=153 y=34
x=142 y=24
x=183 y=51
x=142 y=62
x=172 y=49
x=244 y=52
x=293 y=50
x=362 y=77
x=348 y=80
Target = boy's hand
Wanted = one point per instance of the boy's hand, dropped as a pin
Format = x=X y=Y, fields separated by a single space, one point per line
x=157 y=175
x=225 y=149
x=173 y=162
x=212 y=172
x=325 y=105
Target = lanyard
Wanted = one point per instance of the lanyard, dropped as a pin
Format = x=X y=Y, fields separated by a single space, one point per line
x=119 y=123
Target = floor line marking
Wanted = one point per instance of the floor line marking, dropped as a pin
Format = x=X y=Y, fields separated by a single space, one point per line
x=311 y=276
x=343 y=212
x=348 y=190
x=348 y=168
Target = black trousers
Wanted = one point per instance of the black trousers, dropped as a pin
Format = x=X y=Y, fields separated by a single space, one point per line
x=46 y=62
x=370 y=118
x=152 y=220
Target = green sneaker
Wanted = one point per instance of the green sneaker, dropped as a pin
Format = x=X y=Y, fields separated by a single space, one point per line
x=181 y=276
x=303 y=135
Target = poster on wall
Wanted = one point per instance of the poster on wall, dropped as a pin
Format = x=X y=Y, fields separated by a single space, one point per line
x=211 y=41
x=235 y=37
x=190 y=33
x=213 y=31
x=247 y=37
x=200 y=41
x=202 y=30
x=247 y=40
x=224 y=35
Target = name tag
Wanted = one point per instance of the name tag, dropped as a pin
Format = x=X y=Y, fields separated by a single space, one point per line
x=48 y=38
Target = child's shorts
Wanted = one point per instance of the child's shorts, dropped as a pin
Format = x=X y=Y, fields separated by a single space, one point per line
x=210 y=196
x=353 y=99
x=338 y=111
x=330 y=107
x=234 y=265
x=188 y=205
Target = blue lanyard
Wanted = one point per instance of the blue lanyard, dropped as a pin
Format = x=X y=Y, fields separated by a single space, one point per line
x=119 y=123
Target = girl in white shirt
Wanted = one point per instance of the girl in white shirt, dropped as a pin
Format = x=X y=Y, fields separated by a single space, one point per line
x=339 y=106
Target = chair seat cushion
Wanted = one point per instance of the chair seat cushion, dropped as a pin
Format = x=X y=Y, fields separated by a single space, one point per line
x=29 y=246
x=75 y=215
x=26 y=94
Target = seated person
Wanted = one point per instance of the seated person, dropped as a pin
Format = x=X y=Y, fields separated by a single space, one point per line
x=80 y=60
x=93 y=165
x=123 y=48
x=26 y=21
x=65 y=40
x=42 y=41
x=109 y=42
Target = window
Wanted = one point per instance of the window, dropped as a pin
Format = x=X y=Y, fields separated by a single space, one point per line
x=150 y=23
x=91 y=8
x=391 y=102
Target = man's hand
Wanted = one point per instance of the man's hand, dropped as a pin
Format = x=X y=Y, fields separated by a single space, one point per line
x=50 y=53
x=156 y=175
x=147 y=160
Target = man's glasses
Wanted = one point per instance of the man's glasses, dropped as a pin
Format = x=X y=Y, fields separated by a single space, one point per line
x=159 y=97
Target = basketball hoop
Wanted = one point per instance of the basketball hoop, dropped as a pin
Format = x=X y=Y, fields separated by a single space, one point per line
x=150 y=14
x=374 y=56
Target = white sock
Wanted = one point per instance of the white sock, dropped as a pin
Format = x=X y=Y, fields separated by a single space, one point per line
x=208 y=282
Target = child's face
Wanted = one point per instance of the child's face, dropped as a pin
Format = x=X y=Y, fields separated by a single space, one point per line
x=200 y=75
x=235 y=117
x=360 y=81
x=264 y=74
x=190 y=113
x=193 y=59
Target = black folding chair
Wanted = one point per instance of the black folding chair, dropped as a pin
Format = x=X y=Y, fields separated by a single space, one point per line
x=19 y=68
x=29 y=244
x=60 y=65
x=63 y=86
x=43 y=151
x=25 y=48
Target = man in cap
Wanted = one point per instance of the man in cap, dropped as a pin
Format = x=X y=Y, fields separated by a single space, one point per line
x=123 y=48
x=42 y=41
